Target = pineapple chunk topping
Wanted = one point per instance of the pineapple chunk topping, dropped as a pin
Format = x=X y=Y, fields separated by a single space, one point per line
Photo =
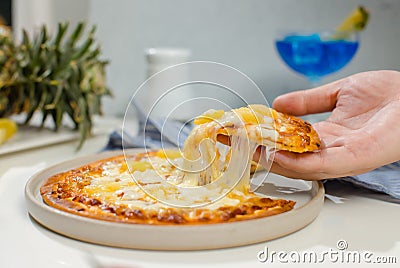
x=169 y=153
x=209 y=116
x=140 y=166
x=261 y=109
x=249 y=115
x=135 y=166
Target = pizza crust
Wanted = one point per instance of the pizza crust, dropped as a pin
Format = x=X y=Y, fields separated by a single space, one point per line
x=283 y=132
x=295 y=134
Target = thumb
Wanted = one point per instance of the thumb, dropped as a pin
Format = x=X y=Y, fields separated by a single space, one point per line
x=317 y=100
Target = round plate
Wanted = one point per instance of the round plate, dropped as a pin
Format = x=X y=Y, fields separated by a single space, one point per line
x=309 y=197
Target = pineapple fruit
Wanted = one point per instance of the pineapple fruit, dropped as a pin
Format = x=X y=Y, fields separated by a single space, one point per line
x=8 y=128
x=59 y=75
x=356 y=21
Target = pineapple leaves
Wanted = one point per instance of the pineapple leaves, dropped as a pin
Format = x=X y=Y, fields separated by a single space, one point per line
x=55 y=75
x=62 y=28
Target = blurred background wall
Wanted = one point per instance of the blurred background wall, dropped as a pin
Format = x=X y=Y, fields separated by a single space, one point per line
x=237 y=33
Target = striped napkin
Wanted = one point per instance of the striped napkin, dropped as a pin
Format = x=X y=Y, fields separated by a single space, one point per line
x=161 y=133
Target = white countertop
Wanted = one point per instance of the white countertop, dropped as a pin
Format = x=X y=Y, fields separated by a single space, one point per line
x=369 y=223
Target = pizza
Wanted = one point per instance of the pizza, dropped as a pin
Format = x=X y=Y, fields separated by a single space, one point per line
x=204 y=183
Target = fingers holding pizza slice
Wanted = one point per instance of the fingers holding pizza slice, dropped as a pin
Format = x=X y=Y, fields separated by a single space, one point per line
x=252 y=126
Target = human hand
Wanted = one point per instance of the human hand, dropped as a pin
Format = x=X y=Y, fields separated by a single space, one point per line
x=361 y=134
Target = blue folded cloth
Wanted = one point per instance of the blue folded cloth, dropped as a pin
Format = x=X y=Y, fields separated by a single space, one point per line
x=154 y=133
x=385 y=179
x=173 y=134
x=158 y=133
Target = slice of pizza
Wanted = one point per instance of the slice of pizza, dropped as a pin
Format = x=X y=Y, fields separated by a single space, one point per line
x=263 y=125
x=248 y=127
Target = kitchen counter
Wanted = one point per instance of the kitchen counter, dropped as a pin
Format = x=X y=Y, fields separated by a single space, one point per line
x=352 y=220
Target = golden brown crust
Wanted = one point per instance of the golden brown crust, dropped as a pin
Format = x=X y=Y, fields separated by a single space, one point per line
x=295 y=134
x=65 y=191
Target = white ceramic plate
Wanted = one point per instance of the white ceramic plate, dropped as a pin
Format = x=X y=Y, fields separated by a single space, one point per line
x=308 y=195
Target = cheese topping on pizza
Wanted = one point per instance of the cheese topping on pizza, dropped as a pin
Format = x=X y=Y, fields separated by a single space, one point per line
x=105 y=190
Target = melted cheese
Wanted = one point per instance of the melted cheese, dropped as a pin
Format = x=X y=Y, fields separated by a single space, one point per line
x=247 y=126
x=114 y=186
x=209 y=174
